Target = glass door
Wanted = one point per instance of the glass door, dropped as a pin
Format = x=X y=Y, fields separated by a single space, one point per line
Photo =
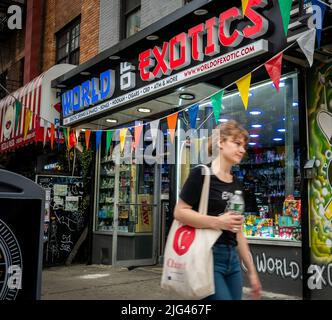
x=134 y=235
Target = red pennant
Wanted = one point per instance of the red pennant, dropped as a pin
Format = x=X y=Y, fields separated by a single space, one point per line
x=273 y=68
x=52 y=132
x=137 y=134
x=72 y=140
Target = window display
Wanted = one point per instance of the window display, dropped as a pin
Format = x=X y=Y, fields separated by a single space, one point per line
x=128 y=188
x=270 y=171
x=106 y=196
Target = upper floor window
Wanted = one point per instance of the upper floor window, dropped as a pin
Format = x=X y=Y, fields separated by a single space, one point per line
x=132 y=17
x=68 y=44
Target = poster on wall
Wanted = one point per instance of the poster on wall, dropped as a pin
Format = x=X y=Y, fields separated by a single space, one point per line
x=144 y=223
x=320 y=150
x=64 y=222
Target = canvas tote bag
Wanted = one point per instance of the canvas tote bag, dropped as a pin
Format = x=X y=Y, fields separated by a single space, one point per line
x=188 y=258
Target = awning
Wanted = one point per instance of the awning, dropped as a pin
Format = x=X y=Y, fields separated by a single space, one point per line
x=36 y=96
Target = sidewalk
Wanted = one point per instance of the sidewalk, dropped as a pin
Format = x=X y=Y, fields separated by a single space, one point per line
x=103 y=282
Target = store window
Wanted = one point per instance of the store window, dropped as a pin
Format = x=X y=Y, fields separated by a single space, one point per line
x=131 y=17
x=68 y=44
x=126 y=185
x=270 y=171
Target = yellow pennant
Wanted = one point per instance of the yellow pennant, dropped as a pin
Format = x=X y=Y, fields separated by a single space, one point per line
x=123 y=133
x=28 y=116
x=244 y=85
x=244 y=6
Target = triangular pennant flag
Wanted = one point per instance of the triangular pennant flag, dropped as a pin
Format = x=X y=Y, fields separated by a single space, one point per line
x=98 y=138
x=18 y=107
x=307 y=45
x=244 y=85
x=319 y=18
x=87 y=138
x=273 y=68
x=285 y=10
x=217 y=103
x=72 y=140
x=123 y=133
x=52 y=132
x=137 y=135
x=65 y=134
x=28 y=116
x=109 y=136
x=154 y=125
x=171 y=123
x=193 y=111
x=244 y=6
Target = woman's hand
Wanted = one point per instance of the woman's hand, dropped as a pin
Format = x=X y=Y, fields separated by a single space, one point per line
x=255 y=286
x=230 y=221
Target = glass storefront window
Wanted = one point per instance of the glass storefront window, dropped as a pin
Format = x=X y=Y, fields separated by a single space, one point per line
x=270 y=171
x=126 y=186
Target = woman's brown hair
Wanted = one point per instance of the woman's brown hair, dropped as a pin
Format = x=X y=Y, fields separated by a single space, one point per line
x=226 y=130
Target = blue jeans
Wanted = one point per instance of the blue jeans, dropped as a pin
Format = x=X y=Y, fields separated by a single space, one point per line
x=227 y=273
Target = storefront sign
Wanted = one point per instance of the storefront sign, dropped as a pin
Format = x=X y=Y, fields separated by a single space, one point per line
x=89 y=93
x=176 y=54
x=217 y=63
x=204 y=48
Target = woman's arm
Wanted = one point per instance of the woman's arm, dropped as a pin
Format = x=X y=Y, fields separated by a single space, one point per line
x=245 y=255
x=184 y=213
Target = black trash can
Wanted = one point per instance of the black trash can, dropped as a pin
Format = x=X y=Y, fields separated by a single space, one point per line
x=21 y=237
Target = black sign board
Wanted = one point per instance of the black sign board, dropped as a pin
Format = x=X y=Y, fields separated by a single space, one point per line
x=64 y=221
x=21 y=218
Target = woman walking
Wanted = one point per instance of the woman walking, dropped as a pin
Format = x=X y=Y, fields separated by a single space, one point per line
x=228 y=146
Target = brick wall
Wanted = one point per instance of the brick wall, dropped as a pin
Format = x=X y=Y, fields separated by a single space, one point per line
x=58 y=14
x=89 y=41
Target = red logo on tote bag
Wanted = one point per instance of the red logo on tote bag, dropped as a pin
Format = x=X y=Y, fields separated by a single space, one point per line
x=183 y=239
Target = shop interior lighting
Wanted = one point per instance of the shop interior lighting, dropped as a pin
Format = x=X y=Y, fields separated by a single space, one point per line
x=281 y=130
x=255 y=113
x=200 y=12
x=277 y=139
x=256 y=126
x=187 y=96
x=223 y=120
x=114 y=57
x=295 y=104
x=83 y=130
x=111 y=120
x=254 y=135
x=152 y=37
x=252 y=143
x=144 y=110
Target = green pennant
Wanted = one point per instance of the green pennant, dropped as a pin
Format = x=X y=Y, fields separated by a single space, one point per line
x=216 y=103
x=109 y=137
x=18 y=107
x=285 y=10
x=65 y=135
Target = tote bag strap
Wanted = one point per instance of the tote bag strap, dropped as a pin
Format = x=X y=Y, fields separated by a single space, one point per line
x=204 y=201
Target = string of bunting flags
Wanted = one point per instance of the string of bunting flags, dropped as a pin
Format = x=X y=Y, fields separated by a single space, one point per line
x=273 y=67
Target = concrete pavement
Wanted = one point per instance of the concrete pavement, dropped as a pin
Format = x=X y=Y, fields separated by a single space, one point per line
x=104 y=282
